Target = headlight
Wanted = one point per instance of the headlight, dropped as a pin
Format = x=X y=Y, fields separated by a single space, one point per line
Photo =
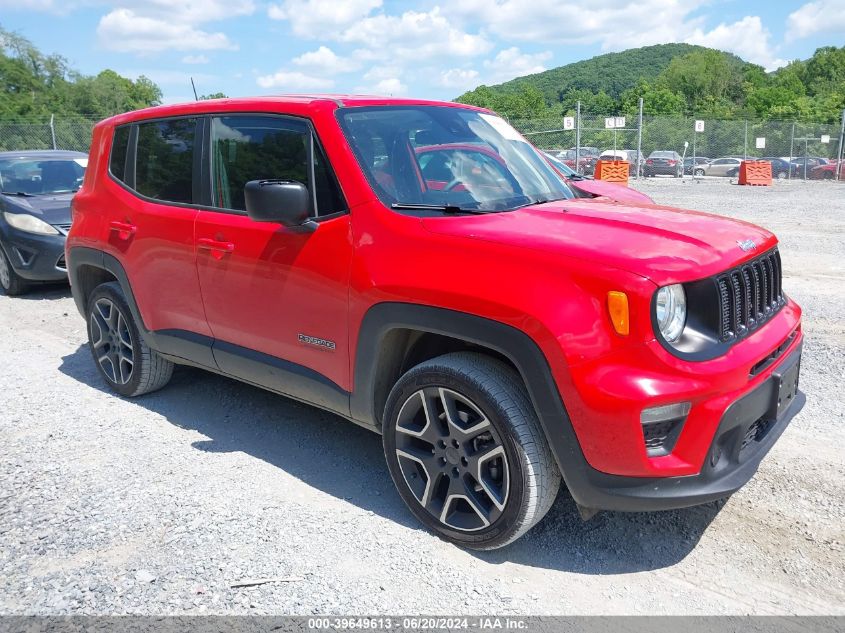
x=671 y=311
x=29 y=223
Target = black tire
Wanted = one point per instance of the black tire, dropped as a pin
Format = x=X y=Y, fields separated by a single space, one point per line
x=125 y=362
x=699 y=172
x=11 y=284
x=495 y=476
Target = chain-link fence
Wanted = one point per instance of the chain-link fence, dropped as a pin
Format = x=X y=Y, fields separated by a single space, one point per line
x=52 y=133
x=696 y=141
x=586 y=137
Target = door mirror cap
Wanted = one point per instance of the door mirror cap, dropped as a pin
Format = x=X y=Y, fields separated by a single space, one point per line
x=286 y=202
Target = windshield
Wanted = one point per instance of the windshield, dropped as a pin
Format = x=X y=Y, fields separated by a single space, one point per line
x=435 y=156
x=40 y=176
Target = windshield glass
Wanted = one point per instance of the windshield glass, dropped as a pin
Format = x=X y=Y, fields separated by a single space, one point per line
x=39 y=176
x=444 y=156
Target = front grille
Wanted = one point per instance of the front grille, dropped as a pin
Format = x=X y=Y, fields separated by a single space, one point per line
x=749 y=295
x=64 y=229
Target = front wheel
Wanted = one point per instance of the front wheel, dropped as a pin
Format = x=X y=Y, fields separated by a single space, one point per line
x=10 y=282
x=466 y=452
x=699 y=172
x=123 y=359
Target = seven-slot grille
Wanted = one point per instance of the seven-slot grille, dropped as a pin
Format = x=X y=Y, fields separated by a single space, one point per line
x=749 y=295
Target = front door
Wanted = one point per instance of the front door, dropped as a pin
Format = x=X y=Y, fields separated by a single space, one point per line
x=275 y=298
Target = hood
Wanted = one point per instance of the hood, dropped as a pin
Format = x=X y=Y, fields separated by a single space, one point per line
x=52 y=208
x=611 y=190
x=663 y=244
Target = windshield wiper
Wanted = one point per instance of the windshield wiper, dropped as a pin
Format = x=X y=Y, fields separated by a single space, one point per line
x=22 y=194
x=445 y=208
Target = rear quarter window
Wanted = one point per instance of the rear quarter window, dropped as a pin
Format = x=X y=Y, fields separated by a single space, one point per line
x=119 y=147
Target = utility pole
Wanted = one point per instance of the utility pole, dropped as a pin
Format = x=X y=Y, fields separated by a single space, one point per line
x=577 y=136
x=640 y=139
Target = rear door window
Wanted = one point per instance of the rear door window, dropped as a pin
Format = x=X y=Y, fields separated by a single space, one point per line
x=165 y=160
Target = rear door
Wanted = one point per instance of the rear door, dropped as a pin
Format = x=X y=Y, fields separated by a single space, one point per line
x=275 y=297
x=150 y=228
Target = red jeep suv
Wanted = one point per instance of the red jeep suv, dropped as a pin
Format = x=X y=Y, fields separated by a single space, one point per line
x=498 y=332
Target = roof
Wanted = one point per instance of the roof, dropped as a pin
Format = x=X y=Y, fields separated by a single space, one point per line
x=250 y=103
x=43 y=153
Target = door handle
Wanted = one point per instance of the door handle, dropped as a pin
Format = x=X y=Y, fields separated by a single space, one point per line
x=124 y=230
x=218 y=248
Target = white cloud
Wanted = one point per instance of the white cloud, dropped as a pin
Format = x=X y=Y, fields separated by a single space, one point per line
x=153 y=26
x=125 y=31
x=748 y=38
x=318 y=18
x=293 y=81
x=391 y=87
x=195 y=59
x=414 y=36
x=822 y=16
x=511 y=63
x=324 y=61
x=462 y=78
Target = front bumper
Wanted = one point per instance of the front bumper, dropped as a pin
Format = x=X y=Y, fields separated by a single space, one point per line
x=748 y=429
x=35 y=257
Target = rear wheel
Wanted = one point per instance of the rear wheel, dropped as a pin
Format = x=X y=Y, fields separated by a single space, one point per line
x=466 y=452
x=11 y=283
x=126 y=363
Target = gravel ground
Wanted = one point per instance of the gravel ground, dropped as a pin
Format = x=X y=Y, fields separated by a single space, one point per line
x=160 y=504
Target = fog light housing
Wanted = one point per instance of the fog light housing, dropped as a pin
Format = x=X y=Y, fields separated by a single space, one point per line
x=662 y=425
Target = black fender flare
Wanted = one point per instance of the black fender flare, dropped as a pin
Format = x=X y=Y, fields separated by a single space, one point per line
x=183 y=346
x=511 y=342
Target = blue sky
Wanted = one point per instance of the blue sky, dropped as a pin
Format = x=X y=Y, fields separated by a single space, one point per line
x=424 y=49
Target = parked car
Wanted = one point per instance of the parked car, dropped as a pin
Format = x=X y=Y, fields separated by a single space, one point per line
x=587 y=158
x=827 y=172
x=586 y=162
x=806 y=164
x=587 y=187
x=494 y=330
x=689 y=161
x=726 y=166
x=781 y=169
x=667 y=163
x=36 y=187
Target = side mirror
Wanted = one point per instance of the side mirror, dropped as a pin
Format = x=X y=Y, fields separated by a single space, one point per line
x=286 y=202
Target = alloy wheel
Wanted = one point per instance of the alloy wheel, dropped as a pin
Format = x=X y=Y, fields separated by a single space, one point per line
x=452 y=459
x=5 y=273
x=112 y=341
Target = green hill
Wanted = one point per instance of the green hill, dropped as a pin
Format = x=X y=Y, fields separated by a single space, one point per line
x=612 y=73
x=676 y=79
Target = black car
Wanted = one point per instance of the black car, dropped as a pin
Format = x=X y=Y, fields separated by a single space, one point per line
x=37 y=187
x=689 y=162
x=667 y=163
x=781 y=168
